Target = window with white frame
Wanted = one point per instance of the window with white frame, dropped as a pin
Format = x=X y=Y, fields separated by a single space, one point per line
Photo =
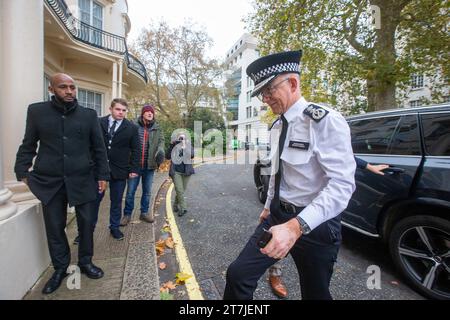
x=414 y=103
x=248 y=112
x=249 y=96
x=91 y=99
x=47 y=93
x=91 y=13
x=416 y=81
x=249 y=82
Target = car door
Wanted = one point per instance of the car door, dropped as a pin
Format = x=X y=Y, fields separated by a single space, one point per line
x=392 y=140
x=435 y=177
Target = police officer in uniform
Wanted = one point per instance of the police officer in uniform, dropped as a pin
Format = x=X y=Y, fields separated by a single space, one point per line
x=312 y=180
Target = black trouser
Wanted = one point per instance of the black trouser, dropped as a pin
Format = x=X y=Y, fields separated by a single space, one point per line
x=55 y=217
x=314 y=256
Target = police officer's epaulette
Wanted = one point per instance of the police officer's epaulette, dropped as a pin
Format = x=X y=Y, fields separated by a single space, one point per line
x=273 y=123
x=316 y=112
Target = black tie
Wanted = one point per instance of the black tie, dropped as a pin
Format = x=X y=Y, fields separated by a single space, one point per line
x=276 y=196
x=112 y=129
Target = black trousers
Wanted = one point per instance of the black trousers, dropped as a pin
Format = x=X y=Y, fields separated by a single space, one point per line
x=55 y=218
x=314 y=256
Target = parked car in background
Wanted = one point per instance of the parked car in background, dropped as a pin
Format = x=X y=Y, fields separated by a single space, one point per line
x=409 y=206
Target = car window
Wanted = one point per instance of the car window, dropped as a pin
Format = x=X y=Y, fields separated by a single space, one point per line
x=436 y=128
x=373 y=136
x=406 y=140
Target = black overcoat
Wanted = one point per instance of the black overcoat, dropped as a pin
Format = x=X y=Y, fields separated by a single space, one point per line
x=71 y=152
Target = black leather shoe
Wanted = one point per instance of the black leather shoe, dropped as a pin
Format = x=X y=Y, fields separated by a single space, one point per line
x=54 y=282
x=116 y=234
x=91 y=271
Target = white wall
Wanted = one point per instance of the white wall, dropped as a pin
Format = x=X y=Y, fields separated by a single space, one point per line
x=23 y=251
x=23 y=247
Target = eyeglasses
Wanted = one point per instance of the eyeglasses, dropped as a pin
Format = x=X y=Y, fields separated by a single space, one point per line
x=267 y=92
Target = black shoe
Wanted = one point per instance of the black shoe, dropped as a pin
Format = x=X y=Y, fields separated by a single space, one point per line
x=55 y=281
x=182 y=212
x=117 y=234
x=76 y=241
x=91 y=271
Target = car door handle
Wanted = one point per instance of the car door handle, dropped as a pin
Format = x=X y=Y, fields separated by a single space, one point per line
x=393 y=170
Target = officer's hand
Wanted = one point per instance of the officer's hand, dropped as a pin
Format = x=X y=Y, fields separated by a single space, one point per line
x=283 y=239
x=133 y=175
x=101 y=186
x=264 y=214
x=25 y=180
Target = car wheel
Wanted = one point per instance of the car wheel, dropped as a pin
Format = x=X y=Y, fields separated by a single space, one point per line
x=256 y=174
x=262 y=190
x=420 y=248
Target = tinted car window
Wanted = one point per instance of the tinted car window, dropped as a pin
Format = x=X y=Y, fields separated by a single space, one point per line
x=406 y=138
x=373 y=136
x=436 y=129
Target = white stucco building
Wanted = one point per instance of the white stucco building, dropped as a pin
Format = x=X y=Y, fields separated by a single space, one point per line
x=83 y=38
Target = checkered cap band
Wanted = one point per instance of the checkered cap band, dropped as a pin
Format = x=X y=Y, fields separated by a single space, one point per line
x=276 y=69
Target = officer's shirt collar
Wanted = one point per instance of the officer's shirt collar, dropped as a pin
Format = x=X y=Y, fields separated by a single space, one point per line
x=296 y=109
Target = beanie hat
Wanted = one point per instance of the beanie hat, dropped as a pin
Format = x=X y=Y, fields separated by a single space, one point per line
x=148 y=107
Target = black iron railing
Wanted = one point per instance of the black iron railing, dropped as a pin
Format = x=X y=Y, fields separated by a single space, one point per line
x=137 y=66
x=95 y=37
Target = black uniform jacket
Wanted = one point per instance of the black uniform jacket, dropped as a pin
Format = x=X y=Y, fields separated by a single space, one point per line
x=71 y=152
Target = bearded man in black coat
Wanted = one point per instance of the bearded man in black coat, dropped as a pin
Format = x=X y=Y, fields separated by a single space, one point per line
x=70 y=168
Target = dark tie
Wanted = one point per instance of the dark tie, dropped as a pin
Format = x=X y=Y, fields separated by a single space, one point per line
x=112 y=129
x=276 y=196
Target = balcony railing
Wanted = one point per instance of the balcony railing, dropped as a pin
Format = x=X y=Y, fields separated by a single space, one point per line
x=137 y=66
x=95 y=37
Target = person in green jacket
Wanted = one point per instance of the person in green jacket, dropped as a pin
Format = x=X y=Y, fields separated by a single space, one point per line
x=151 y=155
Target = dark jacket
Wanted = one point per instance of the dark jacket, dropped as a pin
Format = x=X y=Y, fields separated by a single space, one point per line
x=123 y=153
x=181 y=159
x=71 y=149
x=155 y=144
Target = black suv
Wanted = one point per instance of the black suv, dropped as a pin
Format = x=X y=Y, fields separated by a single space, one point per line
x=408 y=207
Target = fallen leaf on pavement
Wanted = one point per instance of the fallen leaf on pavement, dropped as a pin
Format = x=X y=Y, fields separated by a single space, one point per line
x=191 y=221
x=182 y=277
x=169 y=285
x=162 y=266
x=165 y=229
x=160 y=247
x=169 y=243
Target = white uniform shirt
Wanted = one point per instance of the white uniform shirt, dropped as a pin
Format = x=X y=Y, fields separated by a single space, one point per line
x=319 y=176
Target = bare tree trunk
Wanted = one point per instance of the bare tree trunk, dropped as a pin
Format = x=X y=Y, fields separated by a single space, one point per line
x=381 y=83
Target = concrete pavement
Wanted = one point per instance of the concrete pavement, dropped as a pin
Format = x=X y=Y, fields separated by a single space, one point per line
x=130 y=266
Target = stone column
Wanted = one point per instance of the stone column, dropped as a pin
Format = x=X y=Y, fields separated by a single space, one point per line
x=120 y=78
x=21 y=72
x=114 y=81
